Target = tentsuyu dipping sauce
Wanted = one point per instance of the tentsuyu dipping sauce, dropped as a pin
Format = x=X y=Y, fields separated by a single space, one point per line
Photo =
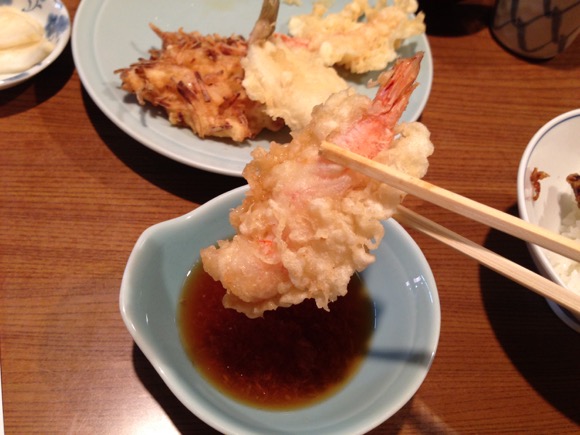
x=287 y=359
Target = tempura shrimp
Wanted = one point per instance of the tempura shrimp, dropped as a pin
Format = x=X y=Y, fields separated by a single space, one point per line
x=307 y=224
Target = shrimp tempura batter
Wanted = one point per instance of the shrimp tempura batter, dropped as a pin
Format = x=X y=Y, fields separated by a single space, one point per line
x=307 y=224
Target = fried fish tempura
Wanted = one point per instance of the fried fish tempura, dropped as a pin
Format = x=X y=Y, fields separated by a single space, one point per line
x=197 y=79
x=359 y=45
x=307 y=224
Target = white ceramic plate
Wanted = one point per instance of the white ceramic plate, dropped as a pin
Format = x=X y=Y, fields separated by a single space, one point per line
x=554 y=149
x=402 y=347
x=53 y=15
x=111 y=34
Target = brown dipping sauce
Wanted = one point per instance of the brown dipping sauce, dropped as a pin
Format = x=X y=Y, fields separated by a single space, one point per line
x=287 y=359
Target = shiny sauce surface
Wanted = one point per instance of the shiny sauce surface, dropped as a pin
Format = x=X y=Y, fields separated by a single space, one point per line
x=290 y=358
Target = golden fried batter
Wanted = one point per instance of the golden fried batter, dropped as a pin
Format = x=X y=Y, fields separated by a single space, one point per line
x=360 y=37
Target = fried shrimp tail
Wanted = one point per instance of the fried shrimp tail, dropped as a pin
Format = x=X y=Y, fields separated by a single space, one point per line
x=266 y=23
x=306 y=224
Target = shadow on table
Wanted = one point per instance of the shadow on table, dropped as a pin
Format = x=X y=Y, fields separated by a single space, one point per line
x=541 y=347
x=189 y=183
x=44 y=85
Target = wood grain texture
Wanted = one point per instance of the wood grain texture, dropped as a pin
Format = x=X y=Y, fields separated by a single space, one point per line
x=76 y=192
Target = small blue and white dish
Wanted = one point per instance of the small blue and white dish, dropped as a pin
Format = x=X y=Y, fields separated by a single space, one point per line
x=402 y=347
x=54 y=18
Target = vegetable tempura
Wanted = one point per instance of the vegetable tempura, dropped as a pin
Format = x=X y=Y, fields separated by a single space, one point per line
x=197 y=79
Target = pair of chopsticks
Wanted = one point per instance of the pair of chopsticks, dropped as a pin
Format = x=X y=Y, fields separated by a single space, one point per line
x=473 y=210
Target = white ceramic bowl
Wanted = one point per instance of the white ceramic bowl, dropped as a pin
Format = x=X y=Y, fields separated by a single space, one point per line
x=401 y=351
x=554 y=149
x=54 y=17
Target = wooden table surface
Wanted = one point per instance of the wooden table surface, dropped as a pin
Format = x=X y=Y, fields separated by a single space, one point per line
x=76 y=193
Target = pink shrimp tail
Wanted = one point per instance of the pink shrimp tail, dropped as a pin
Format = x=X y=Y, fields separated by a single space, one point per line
x=397 y=87
x=374 y=131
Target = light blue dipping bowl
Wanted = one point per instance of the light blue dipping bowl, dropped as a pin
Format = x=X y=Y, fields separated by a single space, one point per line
x=402 y=348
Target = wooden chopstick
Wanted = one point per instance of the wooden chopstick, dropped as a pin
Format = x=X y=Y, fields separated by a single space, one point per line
x=452 y=201
x=495 y=262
